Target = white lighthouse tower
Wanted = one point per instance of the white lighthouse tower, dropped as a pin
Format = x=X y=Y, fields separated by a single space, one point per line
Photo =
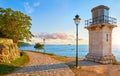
x=100 y=35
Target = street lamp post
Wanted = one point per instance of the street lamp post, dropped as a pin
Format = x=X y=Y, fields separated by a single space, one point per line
x=77 y=21
x=44 y=44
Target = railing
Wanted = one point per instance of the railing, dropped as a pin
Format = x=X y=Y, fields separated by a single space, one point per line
x=101 y=19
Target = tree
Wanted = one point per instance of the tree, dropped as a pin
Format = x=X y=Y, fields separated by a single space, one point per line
x=15 y=25
x=39 y=46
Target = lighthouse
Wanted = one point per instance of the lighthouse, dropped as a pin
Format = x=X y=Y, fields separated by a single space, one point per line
x=100 y=35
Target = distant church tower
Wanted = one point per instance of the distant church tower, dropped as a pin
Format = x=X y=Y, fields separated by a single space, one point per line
x=100 y=35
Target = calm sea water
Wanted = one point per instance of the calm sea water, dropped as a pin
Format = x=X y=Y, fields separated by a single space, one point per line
x=69 y=50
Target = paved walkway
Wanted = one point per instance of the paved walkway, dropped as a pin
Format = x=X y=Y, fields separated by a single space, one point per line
x=41 y=65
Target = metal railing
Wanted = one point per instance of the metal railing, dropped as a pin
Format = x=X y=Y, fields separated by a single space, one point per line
x=101 y=19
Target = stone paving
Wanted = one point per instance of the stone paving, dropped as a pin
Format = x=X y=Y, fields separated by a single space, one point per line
x=41 y=65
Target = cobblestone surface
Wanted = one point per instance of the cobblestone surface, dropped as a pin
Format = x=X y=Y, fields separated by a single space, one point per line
x=41 y=65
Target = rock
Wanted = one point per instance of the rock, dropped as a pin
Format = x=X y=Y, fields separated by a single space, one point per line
x=8 y=50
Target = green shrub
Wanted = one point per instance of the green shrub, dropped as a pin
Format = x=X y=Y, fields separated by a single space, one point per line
x=39 y=46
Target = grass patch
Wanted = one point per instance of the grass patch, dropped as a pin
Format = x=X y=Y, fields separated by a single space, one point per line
x=48 y=54
x=21 y=61
x=6 y=68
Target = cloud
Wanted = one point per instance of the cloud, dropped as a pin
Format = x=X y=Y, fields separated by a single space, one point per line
x=116 y=37
x=30 y=8
x=36 y=4
x=57 y=35
x=57 y=38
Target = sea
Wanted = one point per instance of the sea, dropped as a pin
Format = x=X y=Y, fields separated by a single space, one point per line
x=69 y=50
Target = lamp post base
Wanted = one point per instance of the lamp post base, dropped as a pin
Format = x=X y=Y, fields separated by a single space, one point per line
x=78 y=67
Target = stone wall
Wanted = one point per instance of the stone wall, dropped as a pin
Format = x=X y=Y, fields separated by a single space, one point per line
x=8 y=50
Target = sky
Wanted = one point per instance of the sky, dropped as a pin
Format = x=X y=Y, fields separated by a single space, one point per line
x=53 y=19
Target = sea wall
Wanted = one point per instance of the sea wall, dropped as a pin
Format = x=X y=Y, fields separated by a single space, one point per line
x=8 y=50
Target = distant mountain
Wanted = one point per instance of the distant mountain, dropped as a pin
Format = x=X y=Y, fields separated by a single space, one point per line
x=23 y=44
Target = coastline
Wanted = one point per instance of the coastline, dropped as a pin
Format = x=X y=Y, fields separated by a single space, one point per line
x=69 y=50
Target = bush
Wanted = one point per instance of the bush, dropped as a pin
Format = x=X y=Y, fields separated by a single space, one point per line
x=39 y=46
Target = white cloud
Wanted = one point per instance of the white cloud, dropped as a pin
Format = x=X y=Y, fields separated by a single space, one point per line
x=31 y=8
x=57 y=38
x=116 y=38
x=28 y=8
x=57 y=35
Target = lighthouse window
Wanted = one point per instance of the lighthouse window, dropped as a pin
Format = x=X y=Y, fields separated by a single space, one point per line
x=107 y=37
x=106 y=12
x=106 y=16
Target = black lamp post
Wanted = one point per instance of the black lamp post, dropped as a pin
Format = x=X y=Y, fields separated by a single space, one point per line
x=77 y=21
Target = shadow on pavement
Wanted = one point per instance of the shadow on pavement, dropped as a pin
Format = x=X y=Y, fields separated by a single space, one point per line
x=42 y=67
x=84 y=63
